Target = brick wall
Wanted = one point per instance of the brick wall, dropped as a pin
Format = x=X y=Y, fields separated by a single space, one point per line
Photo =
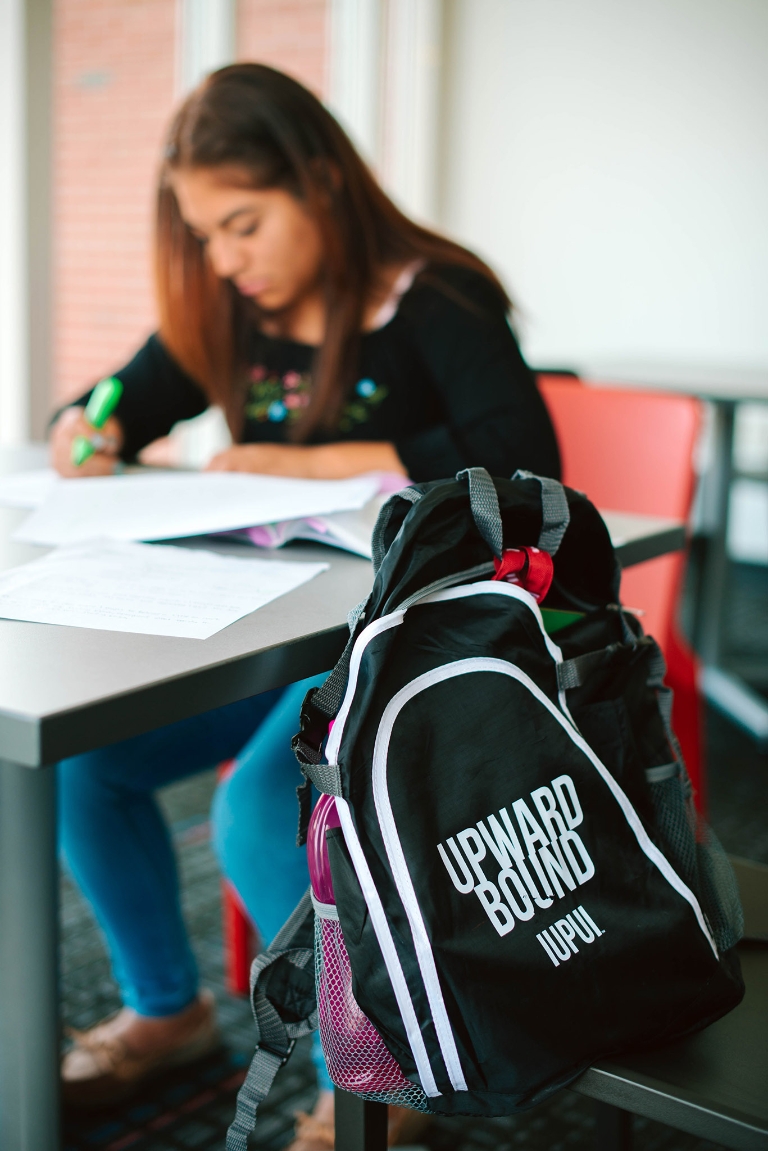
x=114 y=87
x=288 y=34
x=115 y=64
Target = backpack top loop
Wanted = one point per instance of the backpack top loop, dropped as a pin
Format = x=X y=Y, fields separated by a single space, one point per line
x=555 y=513
x=485 y=507
x=378 y=548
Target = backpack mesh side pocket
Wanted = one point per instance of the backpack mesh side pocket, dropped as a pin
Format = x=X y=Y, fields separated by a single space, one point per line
x=357 y=1057
x=698 y=857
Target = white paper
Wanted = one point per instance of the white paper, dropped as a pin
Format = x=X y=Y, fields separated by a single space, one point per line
x=149 y=589
x=172 y=505
x=27 y=489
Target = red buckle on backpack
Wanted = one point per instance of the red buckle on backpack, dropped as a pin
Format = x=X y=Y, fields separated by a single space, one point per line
x=530 y=568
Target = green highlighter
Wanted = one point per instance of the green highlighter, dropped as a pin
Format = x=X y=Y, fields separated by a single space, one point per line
x=101 y=405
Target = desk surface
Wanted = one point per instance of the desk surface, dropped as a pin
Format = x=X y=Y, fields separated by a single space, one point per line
x=64 y=690
x=711 y=383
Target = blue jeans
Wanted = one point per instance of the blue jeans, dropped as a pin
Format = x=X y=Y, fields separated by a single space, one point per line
x=118 y=848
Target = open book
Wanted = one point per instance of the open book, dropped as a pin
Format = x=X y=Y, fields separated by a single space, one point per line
x=351 y=531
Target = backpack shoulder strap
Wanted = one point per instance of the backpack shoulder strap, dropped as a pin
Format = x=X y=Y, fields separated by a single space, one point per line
x=318 y=708
x=286 y=970
x=322 y=703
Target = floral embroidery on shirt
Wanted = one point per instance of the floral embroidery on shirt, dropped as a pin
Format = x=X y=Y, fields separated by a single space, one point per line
x=276 y=398
x=366 y=398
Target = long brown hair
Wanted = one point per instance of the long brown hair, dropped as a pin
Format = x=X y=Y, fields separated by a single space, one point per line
x=258 y=120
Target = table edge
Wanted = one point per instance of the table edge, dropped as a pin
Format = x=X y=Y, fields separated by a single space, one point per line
x=643 y=1095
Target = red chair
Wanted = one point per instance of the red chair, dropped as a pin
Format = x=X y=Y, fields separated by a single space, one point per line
x=632 y=451
x=239 y=934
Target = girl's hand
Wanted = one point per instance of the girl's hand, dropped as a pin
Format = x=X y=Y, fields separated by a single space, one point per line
x=265 y=459
x=324 y=462
x=72 y=423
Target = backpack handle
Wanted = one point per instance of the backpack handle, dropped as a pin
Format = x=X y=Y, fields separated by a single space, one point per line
x=555 y=513
x=378 y=549
x=484 y=501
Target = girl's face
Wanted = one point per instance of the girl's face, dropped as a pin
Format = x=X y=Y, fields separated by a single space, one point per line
x=263 y=240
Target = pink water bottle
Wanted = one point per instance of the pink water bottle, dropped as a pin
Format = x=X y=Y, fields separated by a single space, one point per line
x=324 y=817
x=357 y=1058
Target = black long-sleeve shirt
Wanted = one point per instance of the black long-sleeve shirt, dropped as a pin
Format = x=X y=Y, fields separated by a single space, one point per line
x=444 y=381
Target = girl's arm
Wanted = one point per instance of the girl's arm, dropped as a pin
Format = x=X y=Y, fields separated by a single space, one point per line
x=321 y=462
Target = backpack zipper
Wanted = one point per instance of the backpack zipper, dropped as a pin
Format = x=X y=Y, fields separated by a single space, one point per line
x=445 y=582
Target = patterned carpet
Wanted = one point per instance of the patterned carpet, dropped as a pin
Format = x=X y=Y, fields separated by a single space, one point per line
x=192 y=1108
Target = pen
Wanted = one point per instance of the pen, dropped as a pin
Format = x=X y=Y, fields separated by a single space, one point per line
x=101 y=405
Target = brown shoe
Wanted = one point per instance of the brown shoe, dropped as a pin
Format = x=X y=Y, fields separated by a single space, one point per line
x=312 y=1135
x=315 y=1132
x=108 y=1063
x=404 y=1126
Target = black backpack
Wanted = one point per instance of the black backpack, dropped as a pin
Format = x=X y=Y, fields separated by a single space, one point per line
x=522 y=883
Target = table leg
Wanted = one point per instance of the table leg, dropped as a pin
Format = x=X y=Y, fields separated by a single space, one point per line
x=613 y=1130
x=29 y=1015
x=724 y=690
x=360 y=1124
x=715 y=570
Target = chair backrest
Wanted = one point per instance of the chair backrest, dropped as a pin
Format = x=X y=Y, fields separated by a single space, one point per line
x=628 y=450
x=633 y=451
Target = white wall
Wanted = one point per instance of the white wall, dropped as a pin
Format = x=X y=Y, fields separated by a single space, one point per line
x=610 y=158
x=14 y=364
x=354 y=70
x=410 y=98
x=385 y=74
x=206 y=39
x=25 y=218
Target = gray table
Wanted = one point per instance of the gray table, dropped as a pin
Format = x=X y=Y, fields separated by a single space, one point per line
x=715 y=1083
x=68 y=690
